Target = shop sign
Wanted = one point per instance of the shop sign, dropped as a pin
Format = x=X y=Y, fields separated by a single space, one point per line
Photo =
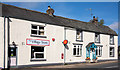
x=37 y=42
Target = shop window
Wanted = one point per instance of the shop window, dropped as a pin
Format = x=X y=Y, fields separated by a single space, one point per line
x=97 y=38
x=111 y=51
x=77 y=50
x=99 y=51
x=37 y=30
x=111 y=39
x=37 y=52
x=79 y=36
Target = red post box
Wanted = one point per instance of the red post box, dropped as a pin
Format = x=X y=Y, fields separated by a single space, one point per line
x=62 y=56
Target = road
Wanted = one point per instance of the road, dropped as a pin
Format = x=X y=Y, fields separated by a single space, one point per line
x=106 y=64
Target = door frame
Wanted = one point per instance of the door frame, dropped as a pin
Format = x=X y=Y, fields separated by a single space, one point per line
x=16 y=57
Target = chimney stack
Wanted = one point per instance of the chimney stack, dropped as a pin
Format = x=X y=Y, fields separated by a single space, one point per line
x=50 y=11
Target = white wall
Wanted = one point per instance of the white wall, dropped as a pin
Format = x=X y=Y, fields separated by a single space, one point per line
x=1 y=42
x=20 y=30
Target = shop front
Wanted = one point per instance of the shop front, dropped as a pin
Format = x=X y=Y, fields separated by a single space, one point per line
x=37 y=48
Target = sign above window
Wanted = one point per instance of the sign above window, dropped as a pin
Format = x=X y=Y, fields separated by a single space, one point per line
x=37 y=42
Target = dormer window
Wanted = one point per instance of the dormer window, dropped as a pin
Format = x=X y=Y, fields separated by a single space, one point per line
x=97 y=38
x=111 y=39
x=79 y=36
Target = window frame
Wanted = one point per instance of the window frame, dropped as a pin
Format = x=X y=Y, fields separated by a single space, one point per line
x=97 y=51
x=113 y=52
x=80 y=37
x=98 y=38
x=38 y=59
x=112 y=40
x=80 y=50
x=38 y=29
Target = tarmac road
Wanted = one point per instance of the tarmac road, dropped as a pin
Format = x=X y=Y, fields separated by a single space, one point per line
x=99 y=65
x=107 y=64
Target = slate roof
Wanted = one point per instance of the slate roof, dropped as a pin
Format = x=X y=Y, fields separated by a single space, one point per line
x=22 y=13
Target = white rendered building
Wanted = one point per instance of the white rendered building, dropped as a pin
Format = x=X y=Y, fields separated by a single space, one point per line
x=36 y=38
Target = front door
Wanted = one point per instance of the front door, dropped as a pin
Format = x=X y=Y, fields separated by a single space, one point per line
x=91 y=54
x=13 y=56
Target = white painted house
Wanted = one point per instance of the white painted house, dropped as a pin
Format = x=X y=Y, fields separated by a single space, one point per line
x=36 y=38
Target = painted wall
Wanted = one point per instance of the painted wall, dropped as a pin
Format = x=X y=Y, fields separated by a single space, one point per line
x=20 y=30
x=2 y=42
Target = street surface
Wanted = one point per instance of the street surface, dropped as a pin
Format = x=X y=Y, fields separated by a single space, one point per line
x=99 y=65
x=107 y=64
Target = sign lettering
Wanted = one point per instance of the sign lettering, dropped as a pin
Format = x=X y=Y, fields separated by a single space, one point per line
x=37 y=42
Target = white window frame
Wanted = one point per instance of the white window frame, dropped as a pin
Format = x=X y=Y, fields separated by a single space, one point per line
x=99 y=49
x=80 y=36
x=38 y=52
x=80 y=50
x=38 y=29
x=111 y=39
x=97 y=39
x=112 y=52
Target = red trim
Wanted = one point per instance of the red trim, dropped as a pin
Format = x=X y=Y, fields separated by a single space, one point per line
x=35 y=44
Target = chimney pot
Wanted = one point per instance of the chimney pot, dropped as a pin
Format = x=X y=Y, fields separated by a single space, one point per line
x=49 y=7
x=50 y=11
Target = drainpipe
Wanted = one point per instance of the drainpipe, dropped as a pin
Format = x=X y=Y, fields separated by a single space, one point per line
x=4 y=41
x=64 y=46
x=8 y=44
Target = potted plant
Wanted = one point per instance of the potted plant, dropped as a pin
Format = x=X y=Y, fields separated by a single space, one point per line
x=88 y=59
x=96 y=59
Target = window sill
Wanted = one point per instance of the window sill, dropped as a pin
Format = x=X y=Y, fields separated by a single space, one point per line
x=38 y=59
x=77 y=56
x=111 y=56
x=79 y=40
x=112 y=44
x=38 y=36
x=97 y=42
x=99 y=56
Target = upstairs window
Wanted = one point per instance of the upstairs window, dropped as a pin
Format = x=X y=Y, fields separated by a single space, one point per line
x=37 y=30
x=79 y=36
x=111 y=39
x=97 y=38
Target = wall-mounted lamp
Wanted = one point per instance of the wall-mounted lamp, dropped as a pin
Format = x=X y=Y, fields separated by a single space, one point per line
x=13 y=43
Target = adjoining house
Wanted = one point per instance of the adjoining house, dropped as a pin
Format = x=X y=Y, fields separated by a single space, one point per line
x=119 y=52
x=36 y=38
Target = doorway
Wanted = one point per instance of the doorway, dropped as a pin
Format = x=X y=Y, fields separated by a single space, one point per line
x=91 y=51
x=13 y=56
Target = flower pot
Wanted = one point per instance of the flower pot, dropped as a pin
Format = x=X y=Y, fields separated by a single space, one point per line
x=88 y=60
x=96 y=60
